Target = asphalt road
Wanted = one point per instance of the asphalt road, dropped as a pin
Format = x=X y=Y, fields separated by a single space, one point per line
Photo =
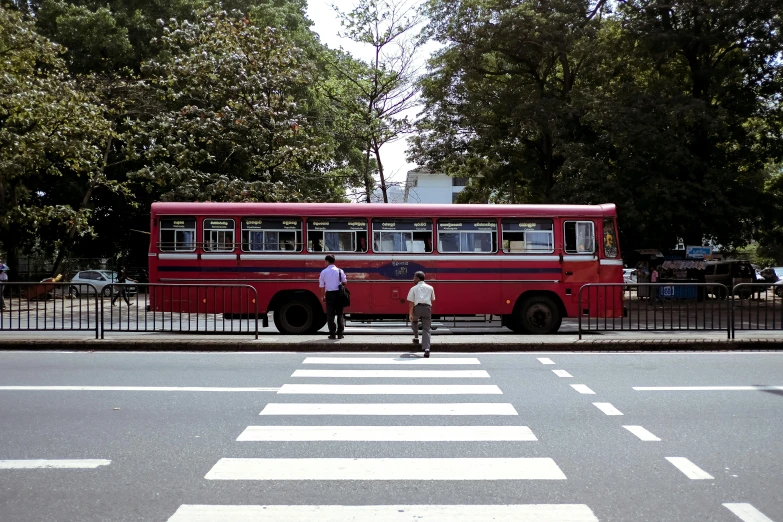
x=154 y=437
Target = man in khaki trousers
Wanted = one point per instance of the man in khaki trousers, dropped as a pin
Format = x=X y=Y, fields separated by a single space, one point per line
x=420 y=299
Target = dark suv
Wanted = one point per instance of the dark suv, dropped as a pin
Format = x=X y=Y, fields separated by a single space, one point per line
x=729 y=274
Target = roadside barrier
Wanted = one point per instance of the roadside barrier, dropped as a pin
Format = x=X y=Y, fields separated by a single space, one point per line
x=757 y=306
x=655 y=307
x=174 y=308
x=680 y=307
x=50 y=305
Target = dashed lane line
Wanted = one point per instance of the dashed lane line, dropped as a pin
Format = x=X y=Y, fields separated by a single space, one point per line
x=747 y=513
x=562 y=373
x=707 y=388
x=545 y=360
x=136 y=388
x=689 y=469
x=642 y=433
x=607 y=408
x=583 y=389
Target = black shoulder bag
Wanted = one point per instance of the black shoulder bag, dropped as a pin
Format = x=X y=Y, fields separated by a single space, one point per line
x=344 y=299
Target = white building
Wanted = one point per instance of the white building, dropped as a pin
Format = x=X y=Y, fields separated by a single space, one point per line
x=422 y=186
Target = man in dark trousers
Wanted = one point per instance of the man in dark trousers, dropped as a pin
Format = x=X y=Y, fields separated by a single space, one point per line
x=329 y=281
x=122 y=278
x=420 y=299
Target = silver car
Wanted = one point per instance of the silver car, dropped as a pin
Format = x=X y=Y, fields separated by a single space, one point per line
x=100 y=279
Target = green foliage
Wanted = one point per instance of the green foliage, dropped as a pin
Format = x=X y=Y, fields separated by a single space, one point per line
x=51 y=135
x=670 y=109
x=233 y=124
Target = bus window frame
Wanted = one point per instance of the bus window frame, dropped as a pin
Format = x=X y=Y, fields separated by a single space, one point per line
x=175 y=244
x=493 y=240
x=206 y=243
x=577 y=251
x=551 y=232
x=354 y=232
x=245 y=245
x=382 y=231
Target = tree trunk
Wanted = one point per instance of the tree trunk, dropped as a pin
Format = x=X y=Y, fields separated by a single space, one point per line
x=377 y=151
x=367 y=177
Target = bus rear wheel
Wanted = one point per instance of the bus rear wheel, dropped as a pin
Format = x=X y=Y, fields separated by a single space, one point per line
x=299 y=316
x=537 y=316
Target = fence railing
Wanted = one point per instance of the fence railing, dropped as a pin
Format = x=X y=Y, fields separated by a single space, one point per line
x=49 y=306
x=156 y=307
x=55 y=306
x=679 y=307
x=757 y=306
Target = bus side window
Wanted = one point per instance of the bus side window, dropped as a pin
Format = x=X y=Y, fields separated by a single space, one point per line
x=361 y=243
x=314 y=241
x=579 y=237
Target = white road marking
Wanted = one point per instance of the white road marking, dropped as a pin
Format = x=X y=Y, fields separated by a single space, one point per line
x=478 y=408
x=582 y=388
x=607 y=408
x=444 y=374
x=54 y=464
x=747 y=513
x=546 y=360
x=691 y=470
x=392 y=389
x=706 y=388
x=386 y=469
x=390 y=360
x=387 y=433
x=135 y=388
x=562 y=373
x=402 y=513
x=642 y=433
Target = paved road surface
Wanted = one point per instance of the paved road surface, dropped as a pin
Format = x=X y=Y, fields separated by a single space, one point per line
x=504 y=437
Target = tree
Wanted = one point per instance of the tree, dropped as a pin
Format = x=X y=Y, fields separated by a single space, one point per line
x=376 y=94
x=233 y=124
x=50 y=135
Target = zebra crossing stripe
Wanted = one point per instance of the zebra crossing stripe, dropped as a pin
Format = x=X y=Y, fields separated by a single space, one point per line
x=470 y=408
x=391 y=389
x=423 y=513
x=413 y=361
x=747 y=513
x=387 y=433
x=386 y=469
x=429 y=374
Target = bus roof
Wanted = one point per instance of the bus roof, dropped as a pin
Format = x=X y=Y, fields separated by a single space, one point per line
x=372 y=210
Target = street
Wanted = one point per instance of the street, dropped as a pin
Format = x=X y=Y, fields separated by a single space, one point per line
x=567 y=437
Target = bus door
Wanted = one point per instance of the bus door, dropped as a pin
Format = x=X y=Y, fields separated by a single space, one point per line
x=580 y=259
x=219 y=263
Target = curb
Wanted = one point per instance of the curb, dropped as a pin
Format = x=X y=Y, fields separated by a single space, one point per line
x=323 y=346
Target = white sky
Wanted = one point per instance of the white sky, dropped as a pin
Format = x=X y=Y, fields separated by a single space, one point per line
x=327 y=26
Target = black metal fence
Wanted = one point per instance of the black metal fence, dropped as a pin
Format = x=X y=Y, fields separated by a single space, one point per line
x=679 y=307
x=49 y=306
x=226 y=309
x=55 y=306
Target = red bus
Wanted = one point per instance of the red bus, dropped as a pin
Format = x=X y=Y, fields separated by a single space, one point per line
x=525 y=263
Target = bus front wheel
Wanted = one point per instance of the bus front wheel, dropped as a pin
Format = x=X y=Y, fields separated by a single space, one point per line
x=537 y=316
x=298 y=316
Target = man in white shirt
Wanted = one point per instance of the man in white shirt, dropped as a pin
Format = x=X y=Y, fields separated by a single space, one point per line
x=329 y=281
x=420 y=299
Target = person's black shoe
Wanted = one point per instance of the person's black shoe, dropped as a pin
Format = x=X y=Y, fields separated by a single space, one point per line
x=426 y=354
x=415 y=340
x=341 y=336
x=332 y=337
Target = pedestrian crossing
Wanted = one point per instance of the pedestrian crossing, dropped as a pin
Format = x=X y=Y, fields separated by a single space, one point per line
x=335 y=375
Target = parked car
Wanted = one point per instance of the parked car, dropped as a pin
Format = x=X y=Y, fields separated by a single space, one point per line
x=729 y=274
x=629 y=275
x=100 y=279
x=779 y=283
